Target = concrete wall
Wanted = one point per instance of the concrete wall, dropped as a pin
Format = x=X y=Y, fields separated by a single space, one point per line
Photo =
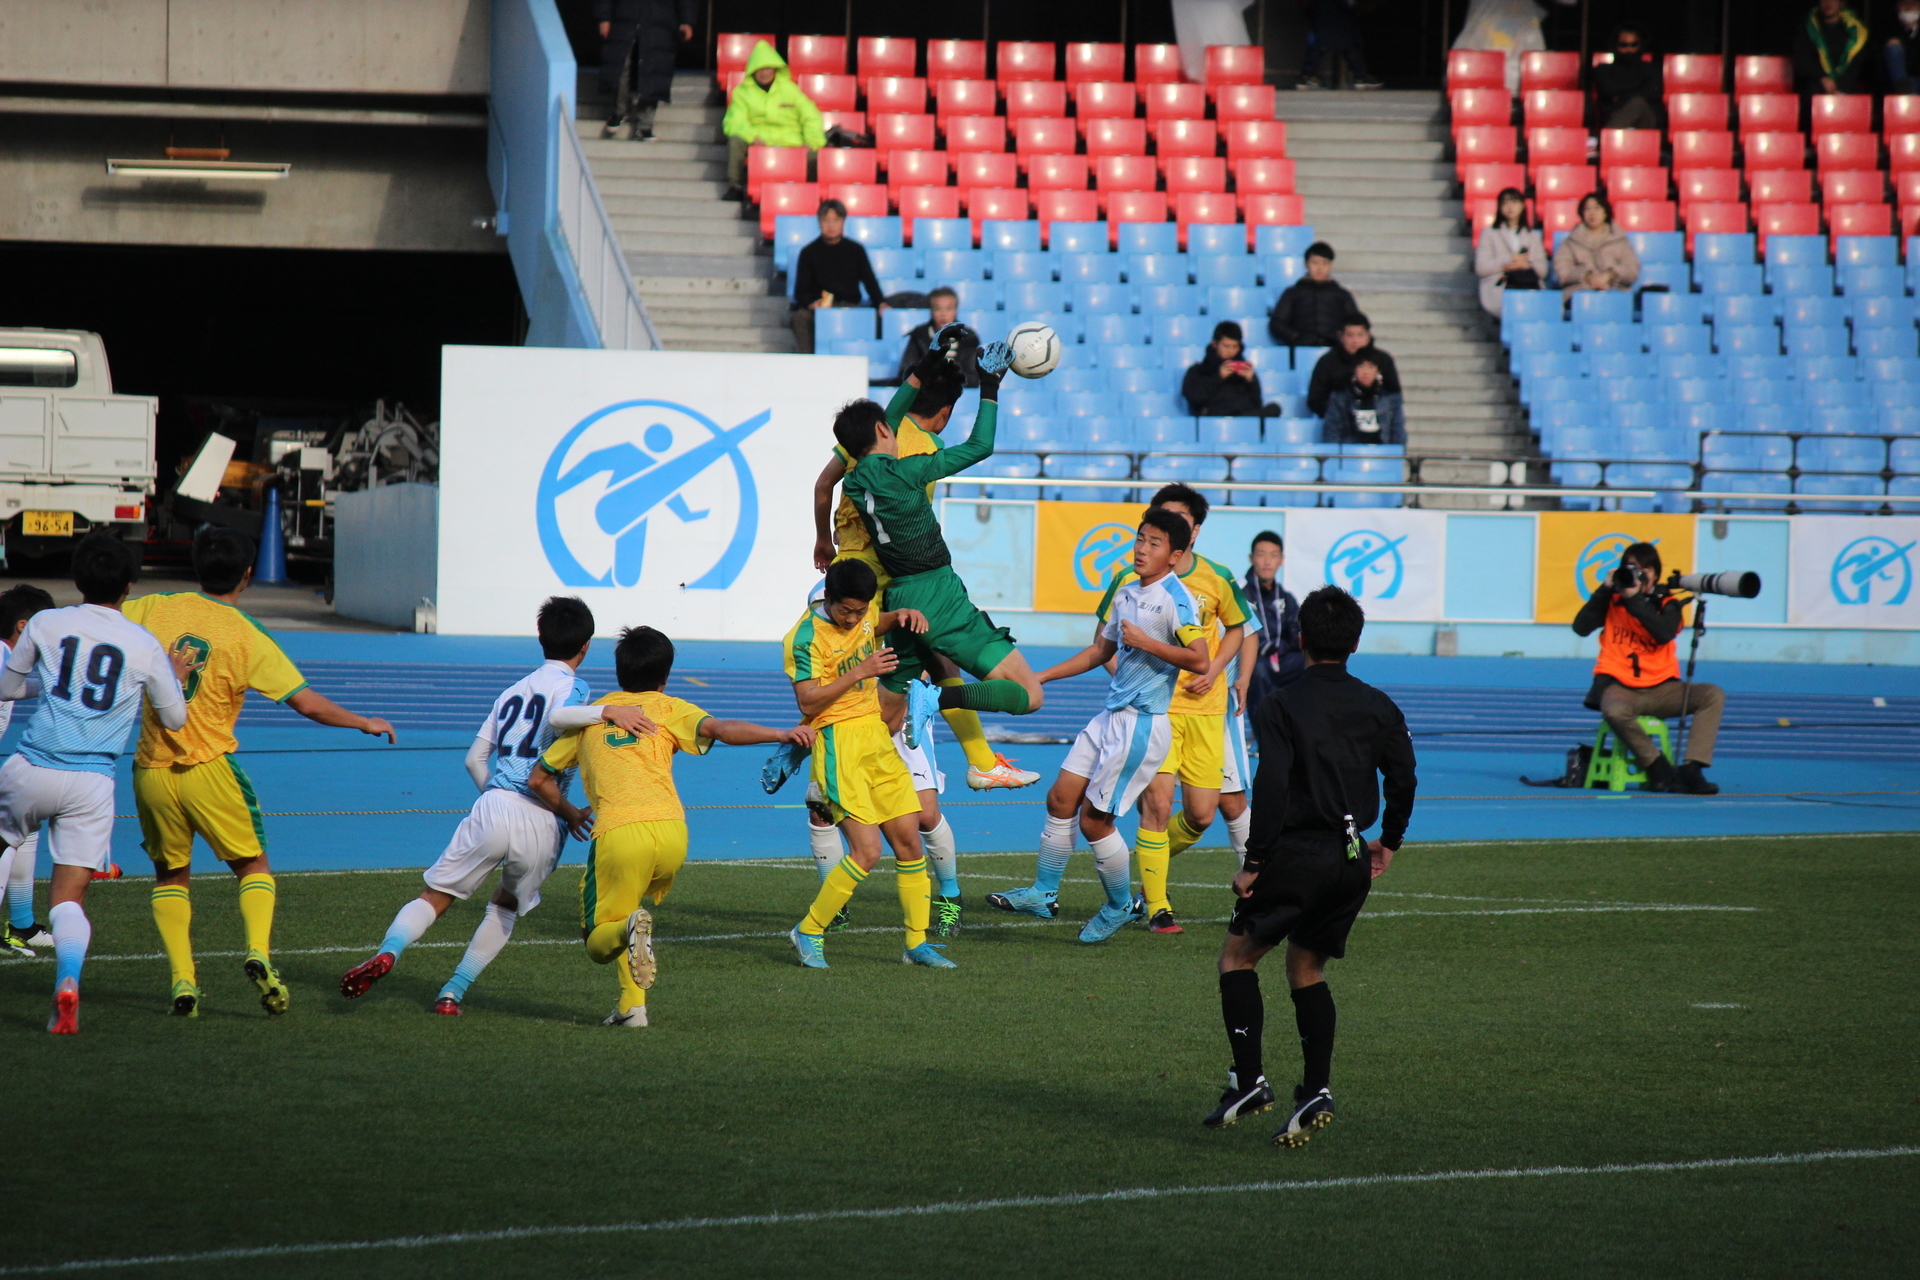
x=385 y=552
x=341 y=46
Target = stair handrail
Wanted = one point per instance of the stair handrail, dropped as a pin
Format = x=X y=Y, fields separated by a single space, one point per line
x=607 y=284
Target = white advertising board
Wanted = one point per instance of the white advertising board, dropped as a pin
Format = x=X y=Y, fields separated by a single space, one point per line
x=667 y=488
x=1393 y=562
x=1849 y=571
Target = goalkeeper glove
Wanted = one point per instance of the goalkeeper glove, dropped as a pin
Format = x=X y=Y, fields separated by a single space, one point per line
x=994 y=359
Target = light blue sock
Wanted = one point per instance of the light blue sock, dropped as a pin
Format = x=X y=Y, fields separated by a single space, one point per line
x=942 y=860
x=72 y=931
x=20 y=904
x=1114 y=861
x=1056 y=847
x=491 y=935
x=408 y=924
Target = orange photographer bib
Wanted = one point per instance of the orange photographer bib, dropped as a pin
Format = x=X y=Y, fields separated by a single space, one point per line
x=1630 y=655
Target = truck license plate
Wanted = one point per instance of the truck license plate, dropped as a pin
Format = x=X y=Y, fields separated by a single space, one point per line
x=47 y=524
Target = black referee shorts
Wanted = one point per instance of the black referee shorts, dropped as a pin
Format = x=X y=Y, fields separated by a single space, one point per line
x=1308 y=893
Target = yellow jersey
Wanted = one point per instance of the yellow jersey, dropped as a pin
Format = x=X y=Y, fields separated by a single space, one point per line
x=629 y=779
x=1222 y=604
x=819 y=651
x=238 y=655
x=849 y=535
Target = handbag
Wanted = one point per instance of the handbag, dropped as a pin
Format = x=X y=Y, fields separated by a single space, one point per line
x=1524 y=278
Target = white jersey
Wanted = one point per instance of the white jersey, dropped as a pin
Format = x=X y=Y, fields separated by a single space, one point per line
x=1166 y=611
x=93 y=666
x=6 y=708
x=519 y=729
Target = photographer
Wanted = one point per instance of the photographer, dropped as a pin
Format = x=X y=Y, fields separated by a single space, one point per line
x=1638 y=673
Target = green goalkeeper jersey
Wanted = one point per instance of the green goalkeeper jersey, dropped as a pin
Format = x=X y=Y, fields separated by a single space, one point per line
x=890 y=493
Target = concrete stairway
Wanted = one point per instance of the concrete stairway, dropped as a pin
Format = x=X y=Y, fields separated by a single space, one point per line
x=704 y=276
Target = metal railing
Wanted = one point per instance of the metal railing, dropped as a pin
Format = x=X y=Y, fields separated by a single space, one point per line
x=606 y=284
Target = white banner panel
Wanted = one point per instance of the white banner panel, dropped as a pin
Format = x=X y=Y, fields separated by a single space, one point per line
x=1392 y=561
x=1854 y=571
x=670 y=488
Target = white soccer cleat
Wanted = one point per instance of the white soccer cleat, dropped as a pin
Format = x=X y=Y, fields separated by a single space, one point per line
x=1003 y=774
x=640 y=960
x=634 y=1017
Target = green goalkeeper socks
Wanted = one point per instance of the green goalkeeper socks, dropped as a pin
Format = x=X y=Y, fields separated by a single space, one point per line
x=1005 y=696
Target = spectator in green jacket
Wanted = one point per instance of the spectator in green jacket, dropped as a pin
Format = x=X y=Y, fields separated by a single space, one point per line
x=1827 y=50
x=768 y=108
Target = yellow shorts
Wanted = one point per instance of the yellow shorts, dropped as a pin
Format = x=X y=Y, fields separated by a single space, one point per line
x=214 y=801
x=867 y=556
x=628 y=863
x=1198 y=756
x=858 y=768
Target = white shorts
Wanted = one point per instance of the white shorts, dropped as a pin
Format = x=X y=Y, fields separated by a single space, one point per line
x=505 y=830
x=1235 y=772
x=919 y=762
x=75 y=806
x=1118 y=753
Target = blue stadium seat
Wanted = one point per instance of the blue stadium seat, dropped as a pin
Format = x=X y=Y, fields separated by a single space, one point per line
x=1771 y=416
x=1229 y=301
x=1557 y=405
x=895 y=264
x=1723 y=247
x=1867 y=492
x=1816 y=339
x=1801 y=280
x=1650 y=475
x=1898 y=420
x=1089 y=404
x=1010 y=265
x=1128 y=357
x=1892 y=395
x=1529 y=306
x=1617 y=364
x=1697 y=418
x=951 y=266
x=830 y=324
x=1216 y=270
x=1530 y=367
x=1100 y=299
x=1116 y=330
x=1901 y=368
x=981 y=321
x=1746 y=340
x=1278 y=270
x=1156 y=268
x=1671 y=309
x=1649 y=416
x=1097 y=466
x=1149 y=237
x=977 y=295
x=1694 y=390
x=1535 y=335
x=1742 y=309
x=1678 y=339
x=1796 y=251
x=1875 y=312
x=1826 y=393
x=1276 y=470
x=1904 y=486
x=1064 y=323
x=1366 y=471
x=1291 y=242
x=1885 y=344
x=1304 y=358
x=1674 y=276
x=1178 y=359
x=1621 y=390
x=1079 y=238
x=1602 y=337
x=1295 y=380
x=1711 y=368
x=1658 y=246
x=1576 y=475
x=1005 y=465
x=1180 y=329
x=1238 y=435
x=1728 y=453
x=1824 y=368
x=1903 y=457
x=1226 y=237
x=1591 y=306
x=1835 y=419
x=1745 y=482
x=1760 y=366
x=1110 y=430
x=897 y=322
x=1198 y=470
x=1866 y=251
x=1001 y=235
x=1028 y=296
x=875 y=232
x=1161 y=430
x=1656 y=445
x=791 y=233
x=1729 y=278
x=883 y=358
x=1253 y=333
x=1874 y=282
x=1841 y=453
x=942 y=233
x=1088 y=268
x=1032 y=402
x=1814 y=310
x=1168 y=299
x=1019 y=430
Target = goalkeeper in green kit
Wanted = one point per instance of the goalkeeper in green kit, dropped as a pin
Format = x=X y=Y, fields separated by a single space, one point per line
x=891 y=495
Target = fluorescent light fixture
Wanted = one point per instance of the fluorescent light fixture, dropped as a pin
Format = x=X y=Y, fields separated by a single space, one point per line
x=253 y=171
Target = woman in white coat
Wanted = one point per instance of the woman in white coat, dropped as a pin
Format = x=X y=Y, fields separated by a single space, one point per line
x=1509 y=245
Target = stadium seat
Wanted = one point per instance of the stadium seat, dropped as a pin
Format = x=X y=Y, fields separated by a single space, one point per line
x=1243 y=102
x=1262 y=176
x=1623 y=148
x=1116 y=329
x=1010 y=203
x=1080 y=208
x=733 y=48
x=1157 y=64
x=1679 y=340
x=910 y=168
x=1137 y=206
x=1767 y=113
x=1146 y=236
x=1866 y=492
x=1484 y=144
x=851 y=121
x=1715 y=185
x=1594 y=307
x=1796 y=251
x=1762 y=74
x=1282 y=241
x=1866 y=251
x=1703 y=150
x=1220 y=270
x=846 y=164
x=1217 y=207
x=1802 y=279
x=1013 y=260
x=978 y=133
x=1538 y=335
x=1670 y=309
x=1174 y=102
x=1637 y=183
x=984 y=169
x=1859 y=220
x=1234 y=65
x=1846 y=151
x=1103 y=101
x=898 y=269
x=1057 y=173
x=1815 y=340
x=938 y=204
x=1475 y=106
x=1540 y=69
x=1157 y=268
x=1100 y=299
x=1903 y=153
x=1115 y=137
x=896 y=95
x=1185 y=138
x=1255 y=139
x=1645 y=215
x=1886 y=344
x=1556 y=146
x=1484 y=181
x=953 y=98
x=1043 y=135
x=1836 y=453
x=1095 y=466
x=903 y=131
x=1216 y=239
x=830 y=92
x=1195 y=173
x=1901 y=113
x=1606 y=338
x=1814 y=309
x=1016 y=60
x=1477 y=68
x=774 y=164
x=1697 y=112
x=777 y=198
x=1692 y=73
x=956 y=60
x=1169 y=299
x=1715 y=217
x=1550 y=108
x=1841 y=113
x=1088 y=61
x=1780 y=186
x=885 y=57
x=1740 y=340
x=951 y=266
x=1785 y=220
x=1124 y=173
x=1719 y=248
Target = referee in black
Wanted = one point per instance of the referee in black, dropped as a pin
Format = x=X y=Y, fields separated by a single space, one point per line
x=1308 y=868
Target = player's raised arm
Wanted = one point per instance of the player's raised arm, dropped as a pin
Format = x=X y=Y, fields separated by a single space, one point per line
x=324 y=710
x=830 y=475
x=745 y=733
x=911 y=619
x=978 y=446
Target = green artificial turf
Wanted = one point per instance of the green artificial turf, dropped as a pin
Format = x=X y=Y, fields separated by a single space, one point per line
x=1554 y=1033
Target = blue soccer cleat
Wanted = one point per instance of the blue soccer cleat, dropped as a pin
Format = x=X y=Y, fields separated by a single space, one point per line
x=923 y=703
x=782 y=765
x=928 y=954
x=1106 y=922
x=813 y=951
x=995 y=358
x=1029 y=901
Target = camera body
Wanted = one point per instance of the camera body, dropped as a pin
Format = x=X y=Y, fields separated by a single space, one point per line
x=1627 y=577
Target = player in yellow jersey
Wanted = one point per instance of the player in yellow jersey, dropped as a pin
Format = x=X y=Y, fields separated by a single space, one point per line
x=1208 y=755
x=835 y=660
x=918 y=414
x=185 y=781
x=639 y=824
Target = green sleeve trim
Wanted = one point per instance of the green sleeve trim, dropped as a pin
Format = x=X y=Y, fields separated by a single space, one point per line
x=703 y=744
x=800 y=650
x=898 y=406
x=293 y=693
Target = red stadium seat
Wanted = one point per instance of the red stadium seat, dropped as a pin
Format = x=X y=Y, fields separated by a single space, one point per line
x=1264 y=176
x=1553 y=108
x=1100 y=100
x=1841 y=113
x=1243 y=102
x=1719 y=186
x=1775 y=151
x=1557 y=217
x=896 y=95
x=1903 y=152
x=817 y=55
x=1473 y=106
x=977 y=133
x=1906 y=187
x=1477 y=69
x=1713 y=218
x=1174 y=101
x=1768 y=113
x=1566 y=181
x=1902 y=113
x=1485 y=144
x=1697 y=112
x=1036 y=98
x=984 y=169
x=914 y=168
x=1491 y=179
x=1196 y=173
x=1116 y=137
x=777 y=198
x=1137 y=206
x=732 y=50
x=1025 y=60
x=1064 y=206
x=1853 y=186
x=730 y=80
x=1006 y=204
x=1780 y=186
x=1234 y=64
x=774 y=164
x=1556 y=146
x=1692 y=73
x=1909 y=222
x=1757 y=74
x=885 y=57
x=1125 y=173
x=1644 y=215
x=1057 y=173
x=1185 y=138
x=1620 y=148
x=1247 y=139
x=1207 y=207
x=863 y=199
x=851 y=121
x=1632 y=182
x=1703 y=151
x=1044 y=136
x=956 y=60
x=925 y=202
x=1157 y=64
x=846 y=164
x=830 y=92
x=1859 y=220
x=1096 y=62
x=1540 y=69
x=1272 y=209
x=897 y=132
x=1847 y=151
x=1782 y=220
x=965 y=98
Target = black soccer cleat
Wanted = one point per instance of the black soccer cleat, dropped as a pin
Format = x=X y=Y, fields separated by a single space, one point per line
x=1310 y=1111
x=1237 y=1102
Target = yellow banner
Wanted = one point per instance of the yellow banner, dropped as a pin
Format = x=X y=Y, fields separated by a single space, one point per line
x=1578 y=549
x=1077 y=548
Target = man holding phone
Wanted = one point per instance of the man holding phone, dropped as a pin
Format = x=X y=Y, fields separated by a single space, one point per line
x=1223 y=385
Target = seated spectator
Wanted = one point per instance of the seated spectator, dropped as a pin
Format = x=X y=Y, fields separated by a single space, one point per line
x=1627 y=91
x=1510 y=254
x=944 y=304
x=1828 y=49
x=1596 y=254
x=1902 y=49
x=1223 y=384
x=767 y=107
x=1363 y=411
x=1280 y=660
x=637 y=51
x=830 y=272
x=1335 y=369
x=1310 y=311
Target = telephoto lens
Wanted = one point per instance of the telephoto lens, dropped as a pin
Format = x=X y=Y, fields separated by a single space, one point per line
x=1734 y=582
x=1623 y=579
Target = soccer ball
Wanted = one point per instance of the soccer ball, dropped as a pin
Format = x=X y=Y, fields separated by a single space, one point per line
x=1036 y=349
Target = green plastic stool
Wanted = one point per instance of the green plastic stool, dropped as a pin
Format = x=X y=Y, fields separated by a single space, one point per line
x=1615 y=769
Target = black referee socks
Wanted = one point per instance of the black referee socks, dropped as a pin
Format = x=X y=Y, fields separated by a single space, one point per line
x=1245 y=1016
x=1313 y=1014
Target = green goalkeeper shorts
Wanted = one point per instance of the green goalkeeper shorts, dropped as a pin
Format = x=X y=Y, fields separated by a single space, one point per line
x=955 y=628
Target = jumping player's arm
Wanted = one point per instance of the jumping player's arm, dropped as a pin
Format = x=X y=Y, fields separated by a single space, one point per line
x=1192 y=656
x=911 y=619
x=321 y=709
x=1097 y=654
x=830 y=475
x=815 y=697
x=977 y=447
x=745 y=733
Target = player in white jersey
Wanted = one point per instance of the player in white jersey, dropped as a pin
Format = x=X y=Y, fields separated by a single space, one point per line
x=21 y=933
x=1153 y=627
x=507 y=827
x=94 y=666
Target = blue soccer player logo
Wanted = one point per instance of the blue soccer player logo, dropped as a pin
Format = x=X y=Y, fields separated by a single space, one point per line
x=1866 y=562
x=1367 y=564
x=1100 y=551
x=1598 y=560
x=639 y=463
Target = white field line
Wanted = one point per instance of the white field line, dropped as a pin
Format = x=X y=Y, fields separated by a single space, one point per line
x=1070 y=1200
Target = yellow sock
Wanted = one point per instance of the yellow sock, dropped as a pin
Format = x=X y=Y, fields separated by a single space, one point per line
x=173 y=913
x=607 y=942
x=1150 y=850
x=916 y=899
x=256 y=910
x=1182 y=835
x=834 y=892
x=967 y=731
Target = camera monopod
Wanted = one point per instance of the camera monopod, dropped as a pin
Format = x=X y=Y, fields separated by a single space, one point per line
x=1686 y=684
x=1742 y=585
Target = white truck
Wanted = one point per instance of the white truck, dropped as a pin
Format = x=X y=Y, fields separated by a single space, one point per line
x=74 y=457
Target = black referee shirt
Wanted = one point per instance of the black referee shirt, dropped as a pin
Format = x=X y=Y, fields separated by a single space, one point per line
x=1322 y=740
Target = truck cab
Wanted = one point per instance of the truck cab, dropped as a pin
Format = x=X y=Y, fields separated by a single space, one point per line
x=74 y=457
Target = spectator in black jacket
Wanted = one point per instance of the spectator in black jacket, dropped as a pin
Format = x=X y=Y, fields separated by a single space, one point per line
x=944 y=305
x=1310 y=311
x=1335 y=369
x=1627 y=91
x=1829 y=49
x=1363 y=411
x=830 y=272
x=1223 y=385
x=639 y=41
x=1902 y=49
